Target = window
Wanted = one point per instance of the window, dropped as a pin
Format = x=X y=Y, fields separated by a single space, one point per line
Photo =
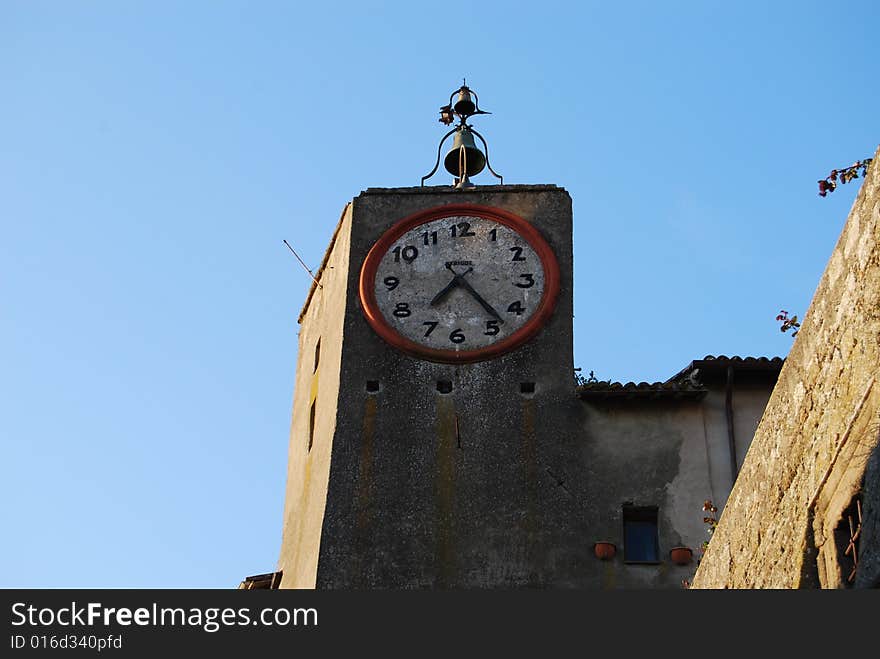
x=312 y=411
x=311 y=425
x=640 y=544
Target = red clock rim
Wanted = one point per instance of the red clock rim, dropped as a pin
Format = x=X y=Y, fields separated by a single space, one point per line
x=531 y=327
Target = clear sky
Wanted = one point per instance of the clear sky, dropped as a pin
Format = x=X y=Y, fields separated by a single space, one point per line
x=154 y=155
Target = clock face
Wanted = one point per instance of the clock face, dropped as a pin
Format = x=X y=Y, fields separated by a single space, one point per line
x=459 y=283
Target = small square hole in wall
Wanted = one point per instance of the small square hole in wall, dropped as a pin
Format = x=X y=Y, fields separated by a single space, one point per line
x=444 y=386
x=372 y=386
x=527 y=388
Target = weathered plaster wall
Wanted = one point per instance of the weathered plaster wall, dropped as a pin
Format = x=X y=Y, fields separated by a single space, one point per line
x=748 y=404
x=648 y=453
x=817 y=434
x=308 y=470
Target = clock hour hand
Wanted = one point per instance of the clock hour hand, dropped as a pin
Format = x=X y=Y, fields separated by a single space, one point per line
x=456 y=280
x=479 y=298
x=442 y=294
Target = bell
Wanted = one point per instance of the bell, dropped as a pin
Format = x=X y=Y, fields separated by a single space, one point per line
x=464 y=105
x=473 y=159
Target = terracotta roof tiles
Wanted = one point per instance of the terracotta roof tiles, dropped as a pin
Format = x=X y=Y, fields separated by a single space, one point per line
x=684 y=384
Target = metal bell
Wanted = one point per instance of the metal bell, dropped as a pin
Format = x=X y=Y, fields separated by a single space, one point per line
x=464 y=105
x=464 y=159
x=472 y=160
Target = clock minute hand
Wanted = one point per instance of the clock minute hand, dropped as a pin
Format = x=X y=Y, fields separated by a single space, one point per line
x=479 y=298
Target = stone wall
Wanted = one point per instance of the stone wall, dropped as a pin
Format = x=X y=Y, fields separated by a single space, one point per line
x=807 y=463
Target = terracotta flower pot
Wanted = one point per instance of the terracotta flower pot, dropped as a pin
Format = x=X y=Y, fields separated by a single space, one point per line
x=604 y=550
x=681 y=555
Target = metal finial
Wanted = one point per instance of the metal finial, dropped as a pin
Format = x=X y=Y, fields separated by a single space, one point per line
x=465 y=158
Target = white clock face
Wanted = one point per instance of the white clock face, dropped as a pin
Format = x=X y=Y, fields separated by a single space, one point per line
x=459 y=283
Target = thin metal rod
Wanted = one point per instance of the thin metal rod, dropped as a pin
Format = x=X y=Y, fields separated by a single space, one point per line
x=303 y=264
x=486 y=146
x=437 y=164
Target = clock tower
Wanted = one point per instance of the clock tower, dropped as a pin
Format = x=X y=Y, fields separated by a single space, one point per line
x=434 y=434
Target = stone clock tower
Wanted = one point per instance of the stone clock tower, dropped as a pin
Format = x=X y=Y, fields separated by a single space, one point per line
x=434 y=433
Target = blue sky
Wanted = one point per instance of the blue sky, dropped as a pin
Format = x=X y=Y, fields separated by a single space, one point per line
x=154 y=155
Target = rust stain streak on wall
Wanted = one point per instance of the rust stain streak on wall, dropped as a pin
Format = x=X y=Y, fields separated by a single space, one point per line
x=444 y=492
x=364 y=491
x=313 y=391
x=530 y=462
